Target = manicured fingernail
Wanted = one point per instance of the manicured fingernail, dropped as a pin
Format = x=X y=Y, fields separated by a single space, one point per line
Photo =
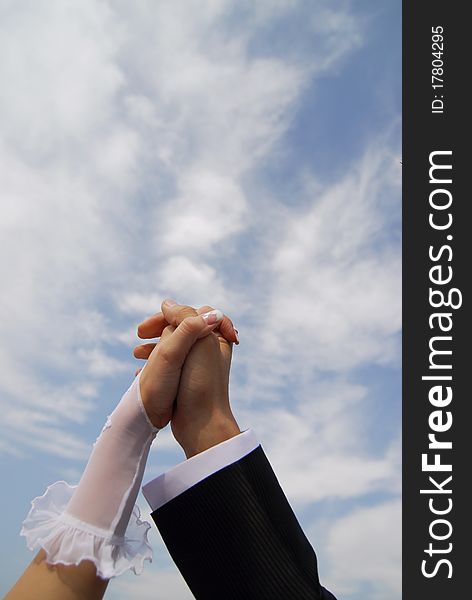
x=212 y=317
x=170 y=302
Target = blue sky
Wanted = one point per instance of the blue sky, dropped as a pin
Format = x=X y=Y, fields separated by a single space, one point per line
x=242 y=154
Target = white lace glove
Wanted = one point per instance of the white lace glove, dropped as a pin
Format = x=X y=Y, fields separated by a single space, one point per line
x=91 y=521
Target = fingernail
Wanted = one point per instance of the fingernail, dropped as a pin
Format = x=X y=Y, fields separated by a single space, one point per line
x=170 y=302
x=212 y=317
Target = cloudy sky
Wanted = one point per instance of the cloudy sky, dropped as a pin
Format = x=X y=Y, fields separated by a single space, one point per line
x=239 y=153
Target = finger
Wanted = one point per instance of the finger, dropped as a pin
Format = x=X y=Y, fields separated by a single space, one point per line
x=143 y=350
x=175 y=348
x=174 y=314
x=169 y=330
x=226 y=327
x=226 y=349
x=204 y=309
x=152 y=327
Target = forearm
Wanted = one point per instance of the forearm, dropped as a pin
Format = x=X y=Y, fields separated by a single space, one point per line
x=106 y=494
x=249 y=541
x=211 y=432
x=82 y=531
x=58 y=582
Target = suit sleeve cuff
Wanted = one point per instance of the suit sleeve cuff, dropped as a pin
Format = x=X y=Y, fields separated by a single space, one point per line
x=185 y=475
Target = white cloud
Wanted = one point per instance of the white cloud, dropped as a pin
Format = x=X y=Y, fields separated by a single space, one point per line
x=126 y=134
x=203 y=199
x=60 y=74
x=319 y=445
x=336 y=275
x=364 y=549
x=152 y=584
x=330 y=303
x=61 y=145
x=101 y=364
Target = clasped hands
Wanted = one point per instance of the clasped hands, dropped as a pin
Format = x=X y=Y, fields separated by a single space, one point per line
x=185 y=380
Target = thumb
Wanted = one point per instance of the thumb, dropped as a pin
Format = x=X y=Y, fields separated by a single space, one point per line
x=175 y=348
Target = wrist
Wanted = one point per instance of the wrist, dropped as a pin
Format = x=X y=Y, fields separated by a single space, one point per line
x=158 y=416
x=214 y=431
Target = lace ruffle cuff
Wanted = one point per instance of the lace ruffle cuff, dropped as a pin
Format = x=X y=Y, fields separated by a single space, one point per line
x=68 y=540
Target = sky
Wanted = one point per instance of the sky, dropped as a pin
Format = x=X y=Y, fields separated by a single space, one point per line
x=234 y=153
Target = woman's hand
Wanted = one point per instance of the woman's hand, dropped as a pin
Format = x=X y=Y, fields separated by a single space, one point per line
x=202 y=415
x=160 y=378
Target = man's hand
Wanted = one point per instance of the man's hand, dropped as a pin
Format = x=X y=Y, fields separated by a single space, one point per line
x=202 y=415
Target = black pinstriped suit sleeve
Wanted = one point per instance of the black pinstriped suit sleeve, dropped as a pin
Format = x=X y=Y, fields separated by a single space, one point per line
x=234 y=536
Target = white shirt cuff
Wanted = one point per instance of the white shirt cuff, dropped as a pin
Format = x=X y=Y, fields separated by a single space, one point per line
x=185 y=475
